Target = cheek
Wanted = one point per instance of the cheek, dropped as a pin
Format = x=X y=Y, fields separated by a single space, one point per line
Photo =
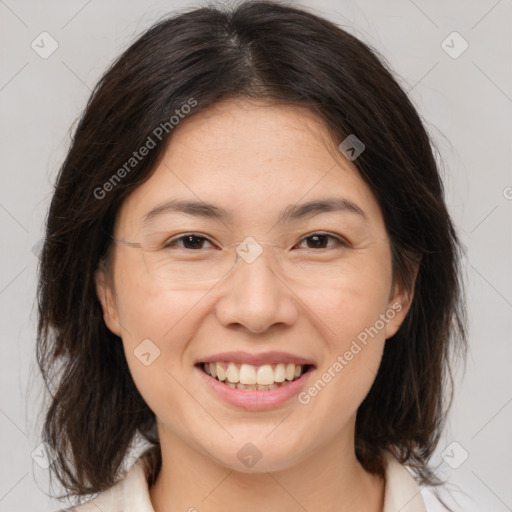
x=352 y=317
x=357 y=300
x=354 y=335
x=149 y=309
x=158 y=326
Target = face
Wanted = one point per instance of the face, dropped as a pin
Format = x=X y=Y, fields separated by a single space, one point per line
x=318 y=305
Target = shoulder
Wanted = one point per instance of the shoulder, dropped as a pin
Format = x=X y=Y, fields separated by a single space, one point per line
x=129 y=494
x=401 y=493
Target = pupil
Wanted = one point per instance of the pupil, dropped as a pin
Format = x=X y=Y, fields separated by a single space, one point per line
x=190 y=240
x=320 y=240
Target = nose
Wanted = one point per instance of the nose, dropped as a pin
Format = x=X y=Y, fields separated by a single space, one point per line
x=255 y=296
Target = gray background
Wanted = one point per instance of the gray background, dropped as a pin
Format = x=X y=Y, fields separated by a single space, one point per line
x=466 y=103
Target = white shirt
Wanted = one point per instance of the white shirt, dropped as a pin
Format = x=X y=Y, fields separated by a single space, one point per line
x=131 y=494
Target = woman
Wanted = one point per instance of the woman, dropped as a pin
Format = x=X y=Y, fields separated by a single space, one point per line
x=249 y=262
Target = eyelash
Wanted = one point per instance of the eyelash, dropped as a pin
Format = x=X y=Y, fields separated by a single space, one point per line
x=340 y=241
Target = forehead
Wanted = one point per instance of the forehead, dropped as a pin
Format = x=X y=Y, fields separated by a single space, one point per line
x=253 y=160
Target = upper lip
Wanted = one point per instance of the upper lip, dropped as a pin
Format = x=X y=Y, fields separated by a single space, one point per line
x=256 y=359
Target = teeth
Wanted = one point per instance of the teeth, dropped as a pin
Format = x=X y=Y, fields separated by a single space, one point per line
x=247 y=374
x=232 y=373
x=252 y=387
x=290 y=371
x=265 y=375
x=249 y=377
x=280 y=373
x=221 y=374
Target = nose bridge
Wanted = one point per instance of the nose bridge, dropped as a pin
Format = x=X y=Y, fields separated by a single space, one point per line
x=255 y=296
x=250 y=250
x=256 y=265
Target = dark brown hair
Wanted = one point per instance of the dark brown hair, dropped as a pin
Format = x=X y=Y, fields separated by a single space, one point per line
x=286 y=55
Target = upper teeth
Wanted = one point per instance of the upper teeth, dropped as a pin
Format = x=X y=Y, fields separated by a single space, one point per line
x=248 y=374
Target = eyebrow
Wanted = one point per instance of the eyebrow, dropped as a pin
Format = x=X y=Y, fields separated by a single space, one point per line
x=290 y=213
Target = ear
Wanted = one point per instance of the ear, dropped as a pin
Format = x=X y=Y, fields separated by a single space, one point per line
x=106 y=296
x=399 y=304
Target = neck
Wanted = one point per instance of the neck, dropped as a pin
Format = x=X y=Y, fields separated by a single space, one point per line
x=330 y=480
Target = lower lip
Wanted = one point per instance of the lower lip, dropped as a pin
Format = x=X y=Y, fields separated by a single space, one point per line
x=256 y=400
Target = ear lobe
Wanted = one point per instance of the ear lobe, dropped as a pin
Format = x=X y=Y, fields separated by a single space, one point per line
x=106 y=297
x=397 y=310
x=399 y=305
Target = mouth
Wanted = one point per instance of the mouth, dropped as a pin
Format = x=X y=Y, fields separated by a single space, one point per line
x=247 y=377
x=254 y=382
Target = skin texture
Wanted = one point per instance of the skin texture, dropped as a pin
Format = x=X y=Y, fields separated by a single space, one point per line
x=254 y=159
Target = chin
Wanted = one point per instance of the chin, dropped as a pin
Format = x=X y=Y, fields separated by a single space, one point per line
x=255 y=454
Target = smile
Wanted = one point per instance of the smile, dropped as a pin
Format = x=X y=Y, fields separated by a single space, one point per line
x=272 y=381
x=248 y=377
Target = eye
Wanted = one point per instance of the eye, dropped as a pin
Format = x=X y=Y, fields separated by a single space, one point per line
x=190 y=241
x=319 y=240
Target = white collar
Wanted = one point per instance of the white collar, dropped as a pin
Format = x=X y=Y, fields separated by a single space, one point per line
x=402 y=493
x=131 y=494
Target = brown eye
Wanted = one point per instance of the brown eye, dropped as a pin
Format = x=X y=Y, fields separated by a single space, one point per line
x=189 y=241
x=320 y=240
